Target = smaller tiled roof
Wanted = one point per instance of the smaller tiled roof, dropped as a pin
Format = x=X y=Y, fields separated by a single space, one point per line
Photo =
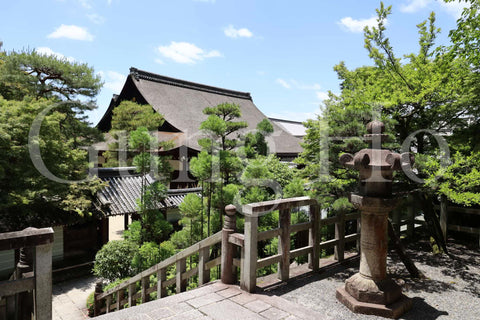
x=123 y=190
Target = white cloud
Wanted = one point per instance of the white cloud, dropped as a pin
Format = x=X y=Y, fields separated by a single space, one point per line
x=96 y=18
x=322 y=95
x=303 y=86
x=184 y=52
x=454 y=8
x=283 y=83
x=49 y=52
x=414 y=5
x=231 y=32
x=114 y=81
x=297 y=85
x=109 y=2
x=357 y=25
x=85 y=3
x=159 y=61
x=71 y=32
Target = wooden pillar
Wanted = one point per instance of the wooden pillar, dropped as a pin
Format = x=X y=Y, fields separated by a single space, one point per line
x=131 y=293
x=161 y=277
x=443 y=216
x=181 y=267
x=120 y=297
x=229 y=227
x=250 y=259
x=97 y=304
x=145 y=283
x=108 y=302
x=125 y=221
x=43 y=281
x=314 y=238
x=284 y=245
x=340 y=236
x=203 y=273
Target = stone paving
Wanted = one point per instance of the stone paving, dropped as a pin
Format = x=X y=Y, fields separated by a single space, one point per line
x=69 y=298
x=216 y=301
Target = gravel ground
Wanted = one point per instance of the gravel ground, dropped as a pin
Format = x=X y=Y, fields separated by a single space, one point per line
x=451 y=289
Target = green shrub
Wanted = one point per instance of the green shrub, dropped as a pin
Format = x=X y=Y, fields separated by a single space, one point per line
x=148 y=255
x=90 y=304
x=114 y=260
x=134 y=233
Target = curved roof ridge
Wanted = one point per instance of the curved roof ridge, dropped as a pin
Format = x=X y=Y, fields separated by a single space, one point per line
x=141 y=74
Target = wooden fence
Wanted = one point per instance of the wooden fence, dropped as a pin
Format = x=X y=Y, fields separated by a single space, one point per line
x=30 y=291
x=248 y=242
x=409 y=216
x=126 y=292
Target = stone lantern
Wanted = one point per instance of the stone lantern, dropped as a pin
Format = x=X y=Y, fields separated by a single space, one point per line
x=370 y=291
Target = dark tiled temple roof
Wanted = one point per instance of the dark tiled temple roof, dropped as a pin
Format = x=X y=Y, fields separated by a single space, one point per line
x=182 y=102
x=123 y=190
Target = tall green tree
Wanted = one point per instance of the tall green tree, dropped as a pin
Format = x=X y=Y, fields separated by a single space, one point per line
x=426 y=90
x=222 y=137
x=30 y=84
x=153 y=224
x=28 y=73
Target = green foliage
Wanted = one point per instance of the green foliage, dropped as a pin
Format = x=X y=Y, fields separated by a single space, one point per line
x=129 y=116
x=134 y=233
x=29 y=73
x=147 y=256
x=154 y=227
x=342 y=205
x=280 y=172
x=27 y=198
x=296 y=188
x=220 y=125
x=459 y=181
x=167 y=249
x=430 y=89
x=466 y=37
x=218 y=165
x=30 y=83
x=89 y=304
x=114 y=260
x=255 y=143
x=192 y=211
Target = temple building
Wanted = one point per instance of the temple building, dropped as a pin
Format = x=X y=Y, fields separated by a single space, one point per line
x=181 y=103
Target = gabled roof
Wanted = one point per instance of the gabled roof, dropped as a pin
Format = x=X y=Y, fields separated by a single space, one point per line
x=295 y=128
x=123 y=190
x=182 y=102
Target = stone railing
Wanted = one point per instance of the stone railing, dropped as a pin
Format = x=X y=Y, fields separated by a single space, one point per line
x=126 y=292
x=30 y=289
x=248 y=241
x=232 y=242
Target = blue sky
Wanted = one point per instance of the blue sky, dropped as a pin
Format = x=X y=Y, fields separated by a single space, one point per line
x=282 y=52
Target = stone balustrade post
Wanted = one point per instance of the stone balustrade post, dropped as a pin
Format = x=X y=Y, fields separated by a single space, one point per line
x=96 y=303
x=229 y=227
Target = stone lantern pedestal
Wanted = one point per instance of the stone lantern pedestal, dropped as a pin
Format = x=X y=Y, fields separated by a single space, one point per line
x=370 y=291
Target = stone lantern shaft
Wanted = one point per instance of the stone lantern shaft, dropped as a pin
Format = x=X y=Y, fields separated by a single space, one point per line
x=370 y=291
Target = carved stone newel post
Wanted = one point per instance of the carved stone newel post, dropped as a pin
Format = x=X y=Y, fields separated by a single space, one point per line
x=370 y=291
